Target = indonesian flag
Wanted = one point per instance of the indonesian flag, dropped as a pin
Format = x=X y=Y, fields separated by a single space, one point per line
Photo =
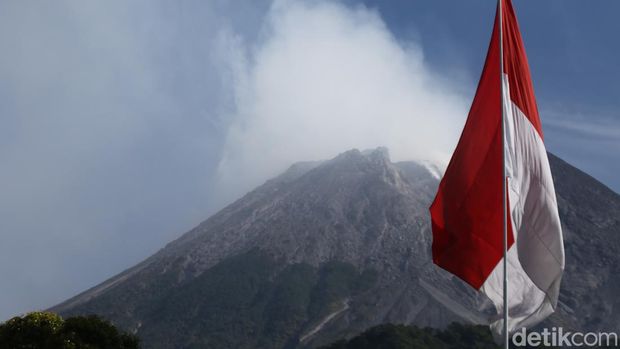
x=467 y=217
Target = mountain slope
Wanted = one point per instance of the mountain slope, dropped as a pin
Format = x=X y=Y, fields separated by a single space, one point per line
x=329 y=249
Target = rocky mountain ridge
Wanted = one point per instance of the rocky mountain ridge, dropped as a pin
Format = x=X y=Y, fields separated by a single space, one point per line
x=328 y=249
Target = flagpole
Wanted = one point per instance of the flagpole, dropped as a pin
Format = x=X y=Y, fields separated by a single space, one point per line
x=504 y=208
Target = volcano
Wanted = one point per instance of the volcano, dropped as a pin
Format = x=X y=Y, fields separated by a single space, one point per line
x=330 y=248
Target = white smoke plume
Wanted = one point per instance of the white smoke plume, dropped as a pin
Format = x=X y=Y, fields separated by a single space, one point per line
x=327 y=78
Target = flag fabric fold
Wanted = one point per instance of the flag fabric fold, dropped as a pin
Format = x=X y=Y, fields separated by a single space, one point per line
x=467 y=216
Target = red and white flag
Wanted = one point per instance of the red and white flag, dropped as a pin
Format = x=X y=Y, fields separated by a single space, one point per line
x=467 y=214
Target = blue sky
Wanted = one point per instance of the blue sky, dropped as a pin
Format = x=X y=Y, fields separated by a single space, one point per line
x=123 y=124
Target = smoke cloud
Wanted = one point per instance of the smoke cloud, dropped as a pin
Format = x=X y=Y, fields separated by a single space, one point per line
x=327 y=78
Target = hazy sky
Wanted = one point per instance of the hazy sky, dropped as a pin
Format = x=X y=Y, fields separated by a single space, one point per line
x=124 y=124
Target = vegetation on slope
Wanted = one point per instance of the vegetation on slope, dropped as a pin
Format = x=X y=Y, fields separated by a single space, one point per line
x=43 y=330
x=251 y=301
x=389 y=336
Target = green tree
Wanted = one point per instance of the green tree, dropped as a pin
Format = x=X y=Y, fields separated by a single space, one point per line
x=44 y=330
x=35 y=330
